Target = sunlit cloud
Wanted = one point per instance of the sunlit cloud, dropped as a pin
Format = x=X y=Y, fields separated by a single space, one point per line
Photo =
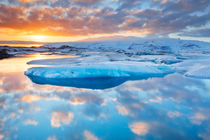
x=157 y=99
x=30 y=98
x=83 y=98
x=89 y=136
x=198 y=118
x=8 y=85
x=122 y=110
x=60 y=118
x=30 y=1
x=78 y=19
x=1 y=136
x=139 y=128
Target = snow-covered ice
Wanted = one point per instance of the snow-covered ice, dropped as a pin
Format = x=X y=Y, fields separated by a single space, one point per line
x=196 y=67
x=136 y=45
x=95 y=75
x=202 y=73
x=119 y=60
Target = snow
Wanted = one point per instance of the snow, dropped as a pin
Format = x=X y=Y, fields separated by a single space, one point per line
x=137 y=45
x=201 y=72
x=195 y=67
x=124 y=57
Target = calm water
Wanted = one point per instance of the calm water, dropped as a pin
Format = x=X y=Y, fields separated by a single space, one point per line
x=172 y=107
x=21 y=45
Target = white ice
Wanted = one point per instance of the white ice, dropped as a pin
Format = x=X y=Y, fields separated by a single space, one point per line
x=122 y=57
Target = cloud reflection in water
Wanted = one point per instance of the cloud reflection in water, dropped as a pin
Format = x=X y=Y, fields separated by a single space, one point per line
x=172 y=107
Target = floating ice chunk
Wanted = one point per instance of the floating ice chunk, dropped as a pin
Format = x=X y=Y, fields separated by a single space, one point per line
x=196 y=67
x=202 y=73
x=96 y=76
x=109 y=69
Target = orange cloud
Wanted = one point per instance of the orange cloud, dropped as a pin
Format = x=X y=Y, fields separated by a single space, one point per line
x=122 y=110
x=84 y=18
x=30 y=1
x=59 y=118
x=30 y=98
x=18 y=83
x=1 y=136
x=198 y=118
x=139 y=128
x=59 y=21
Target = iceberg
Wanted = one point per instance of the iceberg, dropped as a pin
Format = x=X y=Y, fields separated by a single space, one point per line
x=98 y=76
x=201 y=73
x=125 y=69
x=195 y=67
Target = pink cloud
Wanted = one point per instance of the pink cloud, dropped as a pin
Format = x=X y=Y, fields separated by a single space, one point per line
x=59 y=118
x=139 y=128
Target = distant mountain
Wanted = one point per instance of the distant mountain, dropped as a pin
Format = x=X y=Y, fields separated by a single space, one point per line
x=110 y=38
x=135 y=44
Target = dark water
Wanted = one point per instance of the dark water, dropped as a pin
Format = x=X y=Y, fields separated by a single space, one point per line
x=173 y=107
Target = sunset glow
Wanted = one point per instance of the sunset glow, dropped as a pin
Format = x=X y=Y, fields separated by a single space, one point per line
x=38 y=38
x=72 y=20
x=104 y=69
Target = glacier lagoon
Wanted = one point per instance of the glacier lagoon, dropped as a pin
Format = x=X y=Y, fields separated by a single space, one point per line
x=171 y=106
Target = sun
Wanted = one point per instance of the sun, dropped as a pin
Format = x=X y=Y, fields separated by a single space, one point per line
x=39 y=38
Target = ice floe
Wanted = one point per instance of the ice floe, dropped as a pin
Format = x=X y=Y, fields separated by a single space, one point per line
x=96 y=76
x=112 y=62
x=106 y=69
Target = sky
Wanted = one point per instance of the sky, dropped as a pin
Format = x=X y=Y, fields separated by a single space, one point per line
x=71 y=20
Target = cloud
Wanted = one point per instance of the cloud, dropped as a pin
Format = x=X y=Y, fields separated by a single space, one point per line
x=86 y=2
x=60 y=3
x=186 y=5
x=173 y=114
x=128 y=103
x=18 y=83
x=198 y=118
x=1 y=136
x=59 y=118
x=94 y=17
x=139 y=128
x=204 y=32
x=83 y=98
x=173 y=93
x=89 y=136
x=29 y=1
x=128 y=4
x=29 y=98
x=122 y=110
x=30 y=122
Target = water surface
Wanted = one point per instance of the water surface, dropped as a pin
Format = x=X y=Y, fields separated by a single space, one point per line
x=171 y=107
